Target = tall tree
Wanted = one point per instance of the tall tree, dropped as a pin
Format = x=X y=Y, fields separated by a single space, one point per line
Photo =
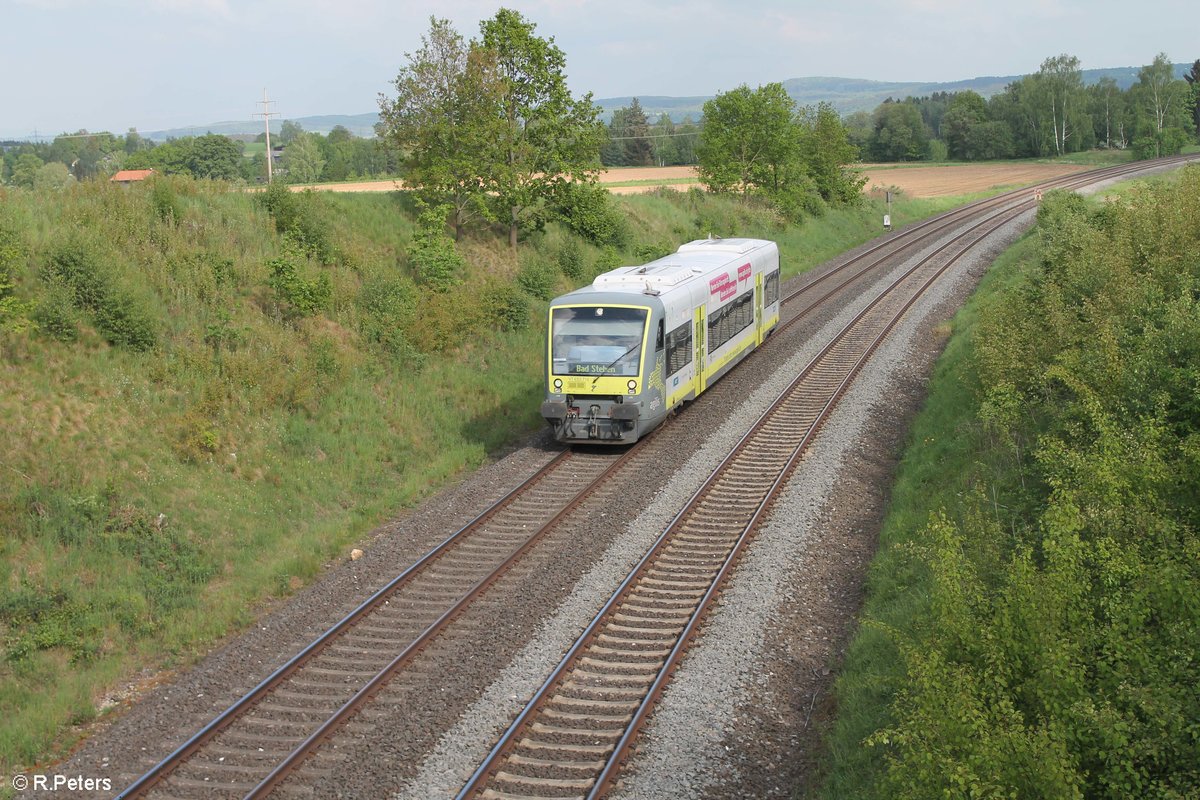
x=1108 y=104
x=303 y=160
x=638 y=150
x=1192 y=76
x=666 y=149
x=899 y=134
x=1163 y=101
x=549 y=138
x=447 y=119
x=1062 y=84
x=826 y=150
x=749 y=143
x=215 y=156
x=966 y=110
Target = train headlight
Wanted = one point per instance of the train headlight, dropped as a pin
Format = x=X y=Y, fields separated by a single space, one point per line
x=632 y=387
x=558 y=384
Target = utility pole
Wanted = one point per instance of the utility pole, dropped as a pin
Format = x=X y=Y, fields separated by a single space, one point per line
x=266 y=114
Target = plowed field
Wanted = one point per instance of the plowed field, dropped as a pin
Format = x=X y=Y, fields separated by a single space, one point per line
x=913 y=181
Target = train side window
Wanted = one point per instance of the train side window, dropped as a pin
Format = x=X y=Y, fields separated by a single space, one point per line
x=659 y=344
x=771 y=288
x=679 y=348
x=730 y=320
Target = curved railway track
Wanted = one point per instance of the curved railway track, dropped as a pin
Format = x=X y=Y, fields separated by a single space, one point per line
x=572 y=737
x=574 y=732
x=250 y=748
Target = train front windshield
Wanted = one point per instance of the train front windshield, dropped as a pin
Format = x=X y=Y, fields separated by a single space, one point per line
x=596 y=340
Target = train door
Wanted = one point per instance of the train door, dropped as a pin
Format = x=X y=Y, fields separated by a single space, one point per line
x=699 y=339
x=758 y=309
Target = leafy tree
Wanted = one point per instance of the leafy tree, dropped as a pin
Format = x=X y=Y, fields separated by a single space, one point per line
x=288 y=131
x=899 y=134
x=858 y=130
x=303 y=160
x=1163 y=104
x=25 y=169
x=52 y=177
x=687 y=139
x=966 y=110
x=446 y=119
x=1192 y=76
x=1107 y=104
x=548 y=138
x=134 y=142
x=215 y=156
x=1062 y=83
x=749 y=143
x=666 y=150
x=825 y=150
x=990 y=140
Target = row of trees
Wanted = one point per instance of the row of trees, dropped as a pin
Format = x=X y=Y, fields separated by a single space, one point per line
x=306 y=158
x=1048 y=113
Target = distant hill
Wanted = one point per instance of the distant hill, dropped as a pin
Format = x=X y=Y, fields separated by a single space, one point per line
x=847 y=95
x=358 y=124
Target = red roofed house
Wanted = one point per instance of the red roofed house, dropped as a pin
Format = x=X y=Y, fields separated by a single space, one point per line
x=128 y=176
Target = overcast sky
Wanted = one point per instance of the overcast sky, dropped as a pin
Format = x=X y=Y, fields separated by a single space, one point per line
x=155 y=64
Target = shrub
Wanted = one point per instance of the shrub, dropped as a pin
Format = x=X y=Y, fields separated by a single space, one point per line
x=538 y=278
x=164 y=200
x=75 y=263
x=388 y=307
x=125 y=321
x=588 y=210
x=570 y=260
x=297 y=216
x=296 y=295
x=55 y=313
x=506 y=306
x=432 y=254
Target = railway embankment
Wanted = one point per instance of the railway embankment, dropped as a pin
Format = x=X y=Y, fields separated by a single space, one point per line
x=1031 y=619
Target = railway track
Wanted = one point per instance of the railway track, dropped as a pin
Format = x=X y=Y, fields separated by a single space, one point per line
x=254 y=745
x=574 y=734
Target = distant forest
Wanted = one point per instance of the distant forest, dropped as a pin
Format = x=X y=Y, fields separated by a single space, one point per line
x=1051 y=112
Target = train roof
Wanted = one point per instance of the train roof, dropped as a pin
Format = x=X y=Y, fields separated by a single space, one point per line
x=692 y=260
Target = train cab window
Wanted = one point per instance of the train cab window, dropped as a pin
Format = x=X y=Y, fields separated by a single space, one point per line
x=771 y=288
x=659 y=342
x=597 y=340
x=679 y=348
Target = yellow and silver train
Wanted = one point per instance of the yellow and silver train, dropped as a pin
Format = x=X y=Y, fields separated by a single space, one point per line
x=640 y=341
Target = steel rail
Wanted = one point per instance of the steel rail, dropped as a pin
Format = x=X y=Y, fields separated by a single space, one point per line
x=518 y=726
x=296 y=662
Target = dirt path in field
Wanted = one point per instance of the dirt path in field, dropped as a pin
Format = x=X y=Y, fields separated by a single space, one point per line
x=913 y=181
